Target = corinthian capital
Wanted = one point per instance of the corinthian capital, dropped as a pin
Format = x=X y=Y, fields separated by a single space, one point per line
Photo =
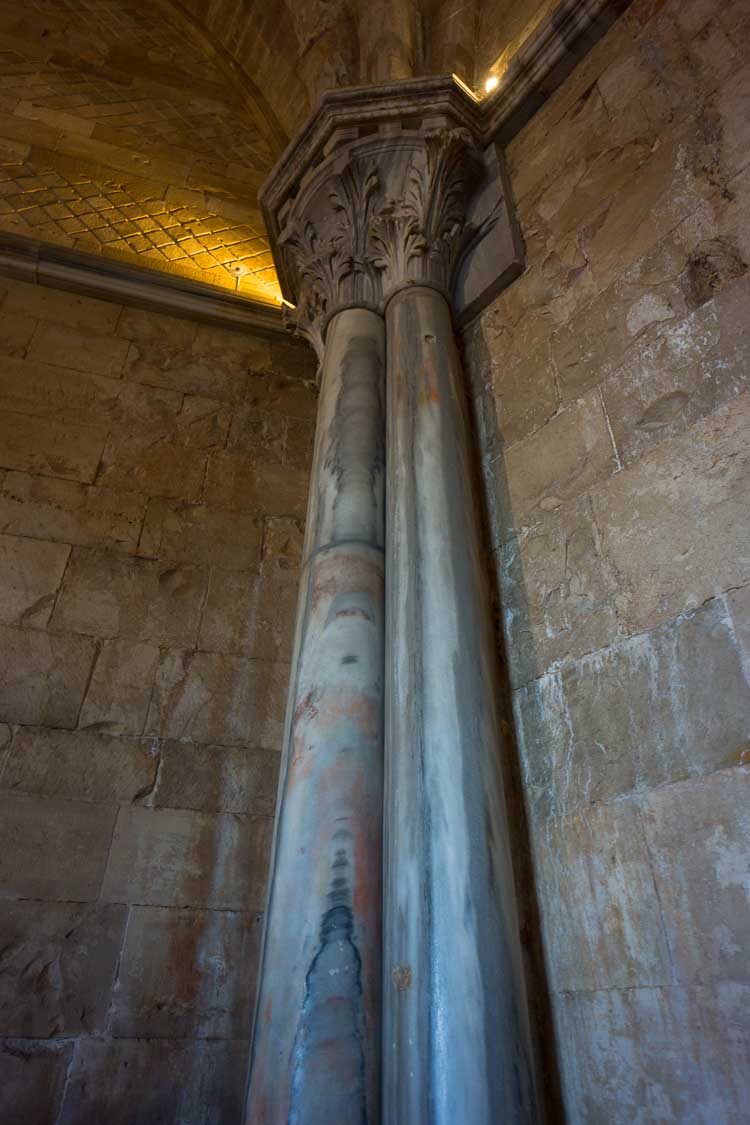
x=374 y=195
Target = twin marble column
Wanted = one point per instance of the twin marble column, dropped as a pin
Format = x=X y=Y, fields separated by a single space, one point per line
x=391 y=985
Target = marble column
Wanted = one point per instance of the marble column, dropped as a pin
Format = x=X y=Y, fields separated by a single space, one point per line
x=368 y=216
x=316 y=1047
x=456 y=1041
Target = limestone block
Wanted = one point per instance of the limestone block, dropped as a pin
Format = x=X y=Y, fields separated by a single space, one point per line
x=43 y=677
x=600 y=911
x=657 y=707
x=520 y=397
x=295 y=358
x=58 y=393
x=32 y=1080
x=213 y=698
x=299 y=444
x=201 y=535
x=53 y=849
x=731 y=104
x=560 y=461
x=81 y=765
x=176 y=857
x=53 y=449
x=118 y=695
x=16 y=331
x=251 y=612
x=257 y=351
x=80 y=351
x=236 y=482
x=667 y=384
x=738 y=602
x=187 y=974
x=169 y=1081
x=674 y=524
x=557 y=593
x=58 y=966
x=258 y=434
x=699 y=838
x=108 y=595
x=283 y=541
x=283 y=394
x=30 y=574
x=156 y=328
x=81 y=314
x=67 y=511
x=203 y=423
x=217 y=779
x=649 y=1054
x=153 y=468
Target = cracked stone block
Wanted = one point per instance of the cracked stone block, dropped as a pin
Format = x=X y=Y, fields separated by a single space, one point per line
x=251 y=612
x=236 y=482
x=108 y=595
x=81 y=314
x=52 y=849
x=217 y=779
x=187 y=974
x=53 y=449
x=601 y=919
x=79 y=765
x=63 y=346
x=172 y=1082
x=674 y=524
x=176 y=857
x=214 y=698
x=58 y=966
x=30 y=574
x=654 y=708
x=699 y=839
x=43 y=676
x=32 y=1080
x=199 y=535
x=117 y=700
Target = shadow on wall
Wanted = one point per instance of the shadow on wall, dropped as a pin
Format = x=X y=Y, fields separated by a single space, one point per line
x=540 y=1006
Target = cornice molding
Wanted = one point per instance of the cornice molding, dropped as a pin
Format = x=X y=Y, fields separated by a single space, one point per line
x=92 y=275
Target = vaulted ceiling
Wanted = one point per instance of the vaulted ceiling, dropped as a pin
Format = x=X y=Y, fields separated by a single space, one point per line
x=142 y=129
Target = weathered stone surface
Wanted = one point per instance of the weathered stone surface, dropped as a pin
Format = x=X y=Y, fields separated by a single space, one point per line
x=680 y=511
x=558 y=595
x=215 y=698
x=58 y=966
x=54 y=449
x=107 y=595
x=156 y=469
x=279 y=393
x=656 y=1054
x=68 y=512
x=739 y=607
x=32 y=1080
x=217 y=779
x=560 y=461
x=203 y=423
x=176 y=857
x=198 y=1083
x=239 y=483
x=59 y=393
x=525 y=396
x=83 y=314
x=30 y=574
x=80 y=351
x=251 y=612
x=53 y=849
x=657 y=707
x=156 y=328
x=601 y=921
x=257 y=434
x=686 y=372
x=200 y=535
x=699 y=839
x=16 y=331
x=43 y=677
x=187 y=974
x=283 y=541
x=117 y=700
x=79 y=764
x=300 y=443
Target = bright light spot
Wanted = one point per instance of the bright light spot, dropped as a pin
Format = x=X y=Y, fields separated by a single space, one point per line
x=490 y=84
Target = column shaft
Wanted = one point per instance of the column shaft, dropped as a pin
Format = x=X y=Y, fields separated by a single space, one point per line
x=316 y=1043
x=456 y=1037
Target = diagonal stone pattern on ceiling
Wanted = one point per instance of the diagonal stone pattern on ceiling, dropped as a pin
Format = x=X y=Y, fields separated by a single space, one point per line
x=121 y=134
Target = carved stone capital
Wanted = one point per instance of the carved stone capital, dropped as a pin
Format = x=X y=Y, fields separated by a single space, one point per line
x=375 y=195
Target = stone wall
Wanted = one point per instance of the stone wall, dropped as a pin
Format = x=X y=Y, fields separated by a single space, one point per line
x=613 y=404
x=152 y=493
